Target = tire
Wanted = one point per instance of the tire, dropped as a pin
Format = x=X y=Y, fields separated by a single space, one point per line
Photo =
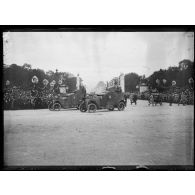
x=91 y=107
x=56 y=107
x=50 y=106
x=121 y=106
x=111 y=108
x=83 y=107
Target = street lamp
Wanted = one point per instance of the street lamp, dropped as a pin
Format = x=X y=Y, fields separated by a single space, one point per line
x=60 y=82
x=191 y=82
x=7 y=83
x=45 y=82
x=173 y=83
x=157 y=81
x=164 y=81
x=35 y=80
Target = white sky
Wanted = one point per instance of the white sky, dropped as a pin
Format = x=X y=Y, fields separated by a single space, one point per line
x=98 y=56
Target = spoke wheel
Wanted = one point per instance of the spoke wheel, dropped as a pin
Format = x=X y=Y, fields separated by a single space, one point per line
x=50 y=106
x=56 y=106
x=111 y=108
x=121 y=106
x=92 y=107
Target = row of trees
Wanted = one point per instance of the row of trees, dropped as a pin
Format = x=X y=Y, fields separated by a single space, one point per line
x=181 y=75
x=21 y=76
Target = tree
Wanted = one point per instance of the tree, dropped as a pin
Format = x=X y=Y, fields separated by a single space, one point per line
x=131 y=81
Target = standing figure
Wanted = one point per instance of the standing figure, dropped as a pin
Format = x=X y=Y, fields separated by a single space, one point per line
x=34 y=94
x=133 y=99
x=125 y=98
x=151 y=100
x=183 y=99
x=170 y=99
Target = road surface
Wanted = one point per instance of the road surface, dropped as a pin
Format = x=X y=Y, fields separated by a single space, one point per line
x=140 y=135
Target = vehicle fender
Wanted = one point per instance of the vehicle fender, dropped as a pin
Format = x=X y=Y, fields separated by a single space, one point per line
x=92 y=101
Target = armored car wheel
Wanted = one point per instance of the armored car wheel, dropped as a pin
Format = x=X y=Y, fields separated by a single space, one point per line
x=92 y=107
x=121 y=106
x=83 y=107
x=111 y=108
x=50 y=106
x=57 y=106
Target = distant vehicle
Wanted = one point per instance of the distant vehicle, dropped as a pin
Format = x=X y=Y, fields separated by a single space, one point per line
x=67 y=100
x=110 y=100
x=157 y=98
x=133 y=98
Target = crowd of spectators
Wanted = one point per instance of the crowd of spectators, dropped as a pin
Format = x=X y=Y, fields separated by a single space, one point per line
x=18 y=98
x=174 y=92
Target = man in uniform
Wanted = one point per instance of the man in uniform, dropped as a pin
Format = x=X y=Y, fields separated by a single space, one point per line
x=183 y=99
x=135 y=98
x=170 y=99
x=125 y=97
x=151 y=100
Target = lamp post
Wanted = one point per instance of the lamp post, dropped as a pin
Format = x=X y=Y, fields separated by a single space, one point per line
x=35 y=81
x=173 y=83
x=60 y=82
x=7 y=83
x=45 y=82
x=191 y=82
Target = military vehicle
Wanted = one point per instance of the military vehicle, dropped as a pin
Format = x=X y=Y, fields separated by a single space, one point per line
x=110 y=99
x=65 y=100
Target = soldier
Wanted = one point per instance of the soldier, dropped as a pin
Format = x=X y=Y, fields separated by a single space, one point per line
x=151 y=100
x=34 y=94
x=125 y=97
x=170 y=99
x=135 y=99
x=182 y=99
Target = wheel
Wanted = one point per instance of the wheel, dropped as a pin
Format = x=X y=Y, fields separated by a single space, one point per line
x=92 y=107
x=56 y=106
x=83 y=107
x=121 y=106
x=50 y=106
x=111 y=108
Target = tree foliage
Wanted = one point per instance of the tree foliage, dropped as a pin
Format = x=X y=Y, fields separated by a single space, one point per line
x=180 y=74
x=131 y=81
x=21 y=76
